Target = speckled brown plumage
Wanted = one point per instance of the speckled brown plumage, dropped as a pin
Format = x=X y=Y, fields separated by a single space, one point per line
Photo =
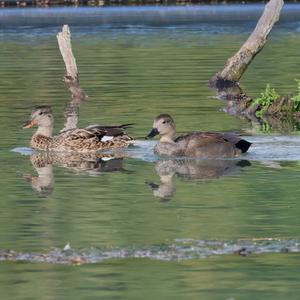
x=78 y=140
x=90 y=139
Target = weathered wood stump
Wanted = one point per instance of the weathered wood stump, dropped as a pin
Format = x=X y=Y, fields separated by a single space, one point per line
x=238 y=63
x=71 y=79
x=226 y=81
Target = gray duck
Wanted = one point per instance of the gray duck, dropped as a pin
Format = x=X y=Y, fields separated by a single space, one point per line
x=196 y=144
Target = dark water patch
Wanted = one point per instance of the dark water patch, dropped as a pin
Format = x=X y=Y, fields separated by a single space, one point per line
x=119 y=31
x=148 y=15
x=181 y=249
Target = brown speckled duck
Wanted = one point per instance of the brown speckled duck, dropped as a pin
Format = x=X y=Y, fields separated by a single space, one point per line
x=197 y=144
x=90 y=139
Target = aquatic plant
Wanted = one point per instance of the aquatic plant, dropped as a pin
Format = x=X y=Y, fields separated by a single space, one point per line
x=296 y=97
x=271 y=103
x=268 y=97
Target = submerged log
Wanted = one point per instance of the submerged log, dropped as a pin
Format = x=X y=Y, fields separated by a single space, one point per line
x=238 y=63
x=71 y=79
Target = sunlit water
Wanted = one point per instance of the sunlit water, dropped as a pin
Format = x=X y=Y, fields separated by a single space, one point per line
x=145 y=226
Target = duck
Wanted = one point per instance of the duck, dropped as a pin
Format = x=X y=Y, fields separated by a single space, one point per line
x=83 y=140
x=208 y=145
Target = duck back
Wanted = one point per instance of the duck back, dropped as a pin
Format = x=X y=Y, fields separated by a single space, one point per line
x=205 y=145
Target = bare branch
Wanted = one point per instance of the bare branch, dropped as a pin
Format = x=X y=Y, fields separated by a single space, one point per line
x=65 y=47
x=71 y=79
x=238 y=63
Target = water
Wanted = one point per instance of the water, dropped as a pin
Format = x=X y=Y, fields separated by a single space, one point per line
x=144 y=226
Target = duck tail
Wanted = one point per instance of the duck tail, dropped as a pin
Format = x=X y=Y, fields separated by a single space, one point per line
x=243 y=145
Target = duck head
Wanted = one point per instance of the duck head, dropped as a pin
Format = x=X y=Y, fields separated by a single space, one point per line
x=164 y=126
x=42 y=117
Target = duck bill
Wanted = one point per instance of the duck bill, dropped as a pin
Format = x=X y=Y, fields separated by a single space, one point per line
x=29 y=124
x=152 y=133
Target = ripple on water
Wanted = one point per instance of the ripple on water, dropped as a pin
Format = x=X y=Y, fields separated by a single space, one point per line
x=270 y=148
x=181 y=249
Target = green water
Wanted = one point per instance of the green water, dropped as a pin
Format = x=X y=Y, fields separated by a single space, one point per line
x=131 y=74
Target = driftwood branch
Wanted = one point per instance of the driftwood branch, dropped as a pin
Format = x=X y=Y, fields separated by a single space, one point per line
x=65 y=47
x=226 y=81
x=238 y=63
x=71 y=79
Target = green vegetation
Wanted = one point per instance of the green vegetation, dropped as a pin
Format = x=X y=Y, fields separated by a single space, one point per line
x=270 y=102
x=268 y=97
x=296 y=98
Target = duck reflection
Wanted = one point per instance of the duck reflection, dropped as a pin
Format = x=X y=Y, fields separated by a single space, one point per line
x=190 y=169
x=89 y=164
x=43 y=183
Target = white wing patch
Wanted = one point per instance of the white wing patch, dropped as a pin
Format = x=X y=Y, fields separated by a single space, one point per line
x=107 y=138
x=107 y=158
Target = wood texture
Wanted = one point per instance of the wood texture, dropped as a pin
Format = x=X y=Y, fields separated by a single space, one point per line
x=238 y=63
x=71 y=79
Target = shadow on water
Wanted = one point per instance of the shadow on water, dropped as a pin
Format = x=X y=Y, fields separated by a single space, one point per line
x=202 y=171
x=193 y=170
x=95 y=164
x=89 y=164
x=269 y=151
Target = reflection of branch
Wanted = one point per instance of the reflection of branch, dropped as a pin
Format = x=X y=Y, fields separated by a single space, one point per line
x=71 y=79
x=237 y=64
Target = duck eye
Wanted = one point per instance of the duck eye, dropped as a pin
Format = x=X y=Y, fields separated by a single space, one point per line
x=40 y=113
x=164 y=122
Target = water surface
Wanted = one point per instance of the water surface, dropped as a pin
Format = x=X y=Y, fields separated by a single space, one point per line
x=146 y=227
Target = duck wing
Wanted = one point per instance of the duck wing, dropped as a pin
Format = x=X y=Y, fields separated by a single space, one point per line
x=212 y=144
x=200 y=138
x=80 y=134
x=209 y=137
x=112 y=131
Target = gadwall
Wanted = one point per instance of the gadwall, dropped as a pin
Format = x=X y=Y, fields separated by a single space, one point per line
x=89 y=139
x=195 y=144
